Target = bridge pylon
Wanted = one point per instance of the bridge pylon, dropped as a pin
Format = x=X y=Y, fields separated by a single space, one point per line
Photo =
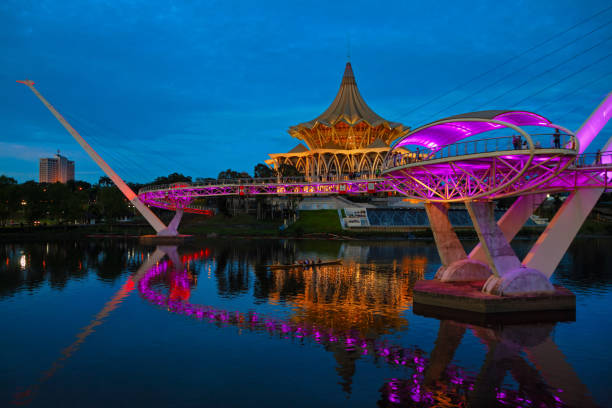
x=160 y=228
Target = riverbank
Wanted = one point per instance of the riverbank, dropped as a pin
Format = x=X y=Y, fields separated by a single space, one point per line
x=319 y=224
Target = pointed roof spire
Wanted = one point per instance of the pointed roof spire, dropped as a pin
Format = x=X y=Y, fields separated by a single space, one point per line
x=348 y=78
x=348 y=106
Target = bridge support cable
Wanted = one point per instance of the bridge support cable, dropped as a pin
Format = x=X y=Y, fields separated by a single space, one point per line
x=572 y=92
x=541 y=74
x=506 y=62
x=151 y=218
x=521 y=68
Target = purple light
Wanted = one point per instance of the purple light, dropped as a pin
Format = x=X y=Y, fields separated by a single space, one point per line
x=523 y=118
x=425 y=184
x=393 y=355
x=451 y=132
x=594 y=123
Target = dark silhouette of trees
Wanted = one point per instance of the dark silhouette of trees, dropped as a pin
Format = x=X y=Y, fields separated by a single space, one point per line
x=231 y=174
x=9 y=200
x=74 y=201
x=288 y=170
x=112 y=204
x=33 y=200
x=172 y=178
x=81 y=202
x=262 y=171
x=105 y=181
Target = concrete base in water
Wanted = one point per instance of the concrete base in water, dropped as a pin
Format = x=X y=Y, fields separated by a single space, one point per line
x=464 y=270
x=468 y=296
x=164 y=240
x=494 y=319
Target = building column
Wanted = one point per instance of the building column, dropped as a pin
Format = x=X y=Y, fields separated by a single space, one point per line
x=509 y=276
x=498 y=253
x=455 y=264
x=512 y=221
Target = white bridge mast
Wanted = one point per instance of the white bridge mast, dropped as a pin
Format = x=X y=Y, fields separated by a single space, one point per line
x=152 y=219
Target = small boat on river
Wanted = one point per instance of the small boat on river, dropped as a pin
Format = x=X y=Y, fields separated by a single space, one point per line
x=305 y=265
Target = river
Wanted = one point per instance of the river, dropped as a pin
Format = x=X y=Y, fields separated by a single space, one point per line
x=96 y=323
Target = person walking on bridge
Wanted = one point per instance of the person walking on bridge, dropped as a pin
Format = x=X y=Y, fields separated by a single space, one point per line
x=557 y=139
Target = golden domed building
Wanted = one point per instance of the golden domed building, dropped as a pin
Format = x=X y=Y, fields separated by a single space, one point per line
x=349 y=137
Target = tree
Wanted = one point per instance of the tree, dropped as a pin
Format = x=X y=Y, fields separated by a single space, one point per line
x=205 y=180
x=172 y=178
x=78 y=185
x=262 y=171
x=5 y=180
x=9 y=198
x=33 y=199
x=231 y=174
x=111 y=203
x=56 y=196
x=288 y=170
x=105 y=181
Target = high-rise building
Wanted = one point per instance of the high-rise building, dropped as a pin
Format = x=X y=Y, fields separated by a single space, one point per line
x=53 y=170
x=70 y=170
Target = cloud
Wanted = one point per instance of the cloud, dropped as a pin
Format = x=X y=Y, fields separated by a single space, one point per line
x=23 y=152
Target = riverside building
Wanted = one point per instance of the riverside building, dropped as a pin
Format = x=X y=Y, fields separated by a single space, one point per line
x=55 y=169
x=347 y=140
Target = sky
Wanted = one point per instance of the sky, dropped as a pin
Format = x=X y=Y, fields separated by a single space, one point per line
x=158 y=87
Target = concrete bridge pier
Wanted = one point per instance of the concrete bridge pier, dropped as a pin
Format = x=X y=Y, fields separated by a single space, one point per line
x=512 y=221
x=509 y=278
x=172 y=229
x=456 y=266
x=169 y=235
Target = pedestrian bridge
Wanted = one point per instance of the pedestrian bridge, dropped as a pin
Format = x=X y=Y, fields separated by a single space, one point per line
x=446 y=161
x=577 y=171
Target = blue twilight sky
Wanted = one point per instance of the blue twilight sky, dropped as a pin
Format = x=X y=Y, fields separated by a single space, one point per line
x=198 y=87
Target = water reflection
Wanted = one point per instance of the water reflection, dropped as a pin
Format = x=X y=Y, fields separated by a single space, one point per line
x=29 y=266
x=353 y=296
x=25 y=397
x=335 y=308
x=358 y=312
x=524 y=351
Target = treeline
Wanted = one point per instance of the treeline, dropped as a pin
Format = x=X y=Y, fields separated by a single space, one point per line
x=33 y=203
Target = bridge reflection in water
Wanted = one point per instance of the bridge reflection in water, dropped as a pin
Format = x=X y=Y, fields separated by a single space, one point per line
x=348 y=309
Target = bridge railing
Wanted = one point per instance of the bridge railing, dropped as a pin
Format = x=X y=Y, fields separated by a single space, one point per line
x=494 y=144
x=331 y=178
x=596 y=159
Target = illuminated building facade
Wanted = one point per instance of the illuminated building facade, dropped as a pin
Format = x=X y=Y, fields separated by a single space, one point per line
x=349 y=138
x=54 y=170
